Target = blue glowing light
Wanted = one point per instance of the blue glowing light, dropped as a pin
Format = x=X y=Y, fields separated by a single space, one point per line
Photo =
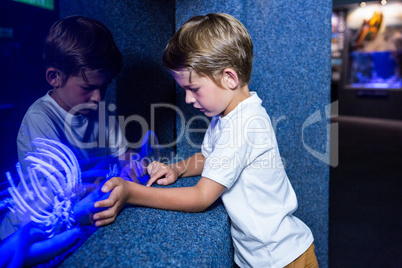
x=51 y=200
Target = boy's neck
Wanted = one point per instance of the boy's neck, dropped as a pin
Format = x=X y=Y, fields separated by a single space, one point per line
x=54 y=95
x=239 y=95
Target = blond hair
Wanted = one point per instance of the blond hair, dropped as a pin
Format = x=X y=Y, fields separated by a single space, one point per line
x=209 y=44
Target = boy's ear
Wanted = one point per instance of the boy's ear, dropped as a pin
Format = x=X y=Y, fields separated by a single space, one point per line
x=230 y=78
x=53 y=77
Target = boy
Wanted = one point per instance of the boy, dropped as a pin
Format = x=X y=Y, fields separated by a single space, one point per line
x=81 y=59
x=210 y=57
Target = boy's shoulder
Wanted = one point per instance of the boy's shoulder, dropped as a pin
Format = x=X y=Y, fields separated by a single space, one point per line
x=44 y=108
x=249 y=109
x=248 y=118
x=43 y=104
x=40 y=103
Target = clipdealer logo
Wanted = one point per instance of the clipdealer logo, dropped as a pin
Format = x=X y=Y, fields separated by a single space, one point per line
x=108 y=128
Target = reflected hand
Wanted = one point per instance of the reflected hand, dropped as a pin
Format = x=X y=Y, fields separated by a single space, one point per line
x=135 y=171
x=128 y=174
x=30 y=246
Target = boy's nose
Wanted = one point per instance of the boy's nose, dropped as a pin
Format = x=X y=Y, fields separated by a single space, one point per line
x=189 y=97
x=96 y=95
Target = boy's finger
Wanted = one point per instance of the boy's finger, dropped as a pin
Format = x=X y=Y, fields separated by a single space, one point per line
x=160 y=173
x=162 y=182
x=151 y=181
x=104 y=222
x=103 y=204
x=110 y=184
x=106 y=214
x=109 y=202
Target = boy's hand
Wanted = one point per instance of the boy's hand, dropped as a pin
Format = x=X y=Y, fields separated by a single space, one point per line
x=118 y=197
x=161 y=173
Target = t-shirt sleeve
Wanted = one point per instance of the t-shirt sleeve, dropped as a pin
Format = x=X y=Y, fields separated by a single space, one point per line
x=118 y=144
x=34 y=125
x=230 y=151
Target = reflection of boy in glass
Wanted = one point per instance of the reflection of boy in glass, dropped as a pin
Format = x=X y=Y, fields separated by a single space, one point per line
x=81 y=60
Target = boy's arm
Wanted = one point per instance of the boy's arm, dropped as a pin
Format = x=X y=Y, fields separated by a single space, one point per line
x=167 y=174
x=192 y=166
x=190 y=199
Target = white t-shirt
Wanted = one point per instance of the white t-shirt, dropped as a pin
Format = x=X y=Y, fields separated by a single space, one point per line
x=87 y=136
x=242 y=154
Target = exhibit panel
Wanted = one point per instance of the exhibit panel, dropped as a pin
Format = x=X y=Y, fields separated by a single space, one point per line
x=366 y=59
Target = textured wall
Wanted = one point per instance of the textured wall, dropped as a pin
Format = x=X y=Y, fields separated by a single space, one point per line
x=141 y=30
x=291 y=73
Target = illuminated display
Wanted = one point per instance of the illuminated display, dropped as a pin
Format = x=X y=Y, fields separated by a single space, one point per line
x=375 y=58
x=46 y=4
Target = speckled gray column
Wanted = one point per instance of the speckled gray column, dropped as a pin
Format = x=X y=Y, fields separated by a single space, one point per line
x=291 y=74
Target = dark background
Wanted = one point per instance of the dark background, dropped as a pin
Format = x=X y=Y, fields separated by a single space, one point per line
x=22 y=73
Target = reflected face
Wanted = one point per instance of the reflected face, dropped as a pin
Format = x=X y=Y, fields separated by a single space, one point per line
x=203 y=93
x=78 y=96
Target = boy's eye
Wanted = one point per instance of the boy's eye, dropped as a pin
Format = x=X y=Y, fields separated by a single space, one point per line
x=193 y=89
x=87 y=88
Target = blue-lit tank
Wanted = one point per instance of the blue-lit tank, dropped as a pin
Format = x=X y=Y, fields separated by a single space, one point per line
x=374 y=70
